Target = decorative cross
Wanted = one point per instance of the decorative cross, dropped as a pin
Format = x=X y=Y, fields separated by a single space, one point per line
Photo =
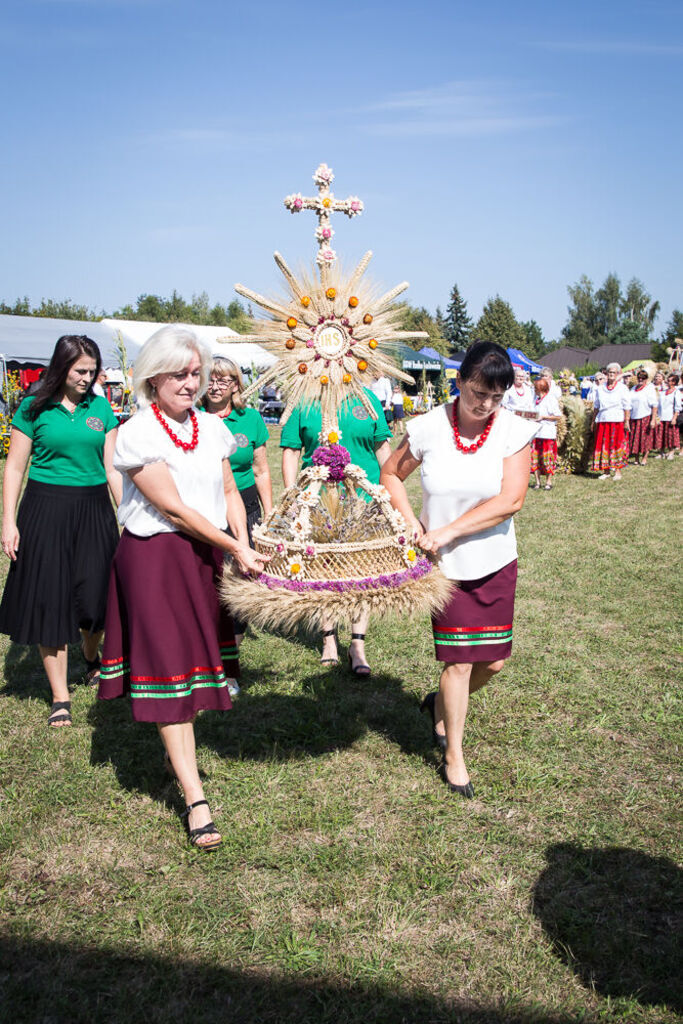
x=324 y=204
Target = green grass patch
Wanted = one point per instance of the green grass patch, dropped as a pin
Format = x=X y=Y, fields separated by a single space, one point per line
x=351 y=887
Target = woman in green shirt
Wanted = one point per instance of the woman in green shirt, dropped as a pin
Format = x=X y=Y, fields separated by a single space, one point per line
x=249 y=464
x=62 y=540
x=367 y=441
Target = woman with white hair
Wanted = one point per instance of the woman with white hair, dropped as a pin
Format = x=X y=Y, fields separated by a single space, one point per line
x=168 y=641
x=611 y=414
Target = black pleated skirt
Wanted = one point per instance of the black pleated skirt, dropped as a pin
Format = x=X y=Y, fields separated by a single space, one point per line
x=58 y=584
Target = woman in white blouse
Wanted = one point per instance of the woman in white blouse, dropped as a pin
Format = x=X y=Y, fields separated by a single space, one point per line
x=520 y=397
x=669 y=405
x=544 y=445
x=643 y=417
x=168 y=641
x=611 y=413
x=474 y=459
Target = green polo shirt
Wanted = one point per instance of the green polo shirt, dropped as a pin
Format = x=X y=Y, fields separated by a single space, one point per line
x=68 y=447
x=360 y=434
x=250 y=433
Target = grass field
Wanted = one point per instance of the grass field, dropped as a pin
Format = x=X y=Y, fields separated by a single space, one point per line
x=351 y=887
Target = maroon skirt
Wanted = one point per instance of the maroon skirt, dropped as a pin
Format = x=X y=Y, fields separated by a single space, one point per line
x=476 y=624
x=168 y=643
x=640 y=436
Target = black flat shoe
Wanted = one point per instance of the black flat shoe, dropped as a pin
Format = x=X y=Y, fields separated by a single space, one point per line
x=467 y=790
x=428 y=704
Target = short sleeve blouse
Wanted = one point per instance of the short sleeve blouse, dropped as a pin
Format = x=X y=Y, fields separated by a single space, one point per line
x=454 y=482
x=612 y=403
x=548 y=406
x=643 y=401
x=67 y=447
x=198 y=474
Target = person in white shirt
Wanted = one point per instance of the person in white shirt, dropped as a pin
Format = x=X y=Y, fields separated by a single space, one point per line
x=555 y=389
x=544 y=446
x=474 y=460
x=398 y=427
x=669 y=406
x=381 y=387
x=643 y=417
x=611 y=413
x=168 y=641
x=520 y=397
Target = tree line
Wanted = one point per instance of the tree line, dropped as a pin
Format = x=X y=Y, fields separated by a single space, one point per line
x=608 y=315
x=151 y=308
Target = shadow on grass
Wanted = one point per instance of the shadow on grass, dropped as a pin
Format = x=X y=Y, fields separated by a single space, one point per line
x=49 y=981
x=336 y=710
x=24 y=674
x=614 y=916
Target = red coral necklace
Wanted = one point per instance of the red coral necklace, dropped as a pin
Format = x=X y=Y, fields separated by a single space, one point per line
x=467 y=449
x=187 y=446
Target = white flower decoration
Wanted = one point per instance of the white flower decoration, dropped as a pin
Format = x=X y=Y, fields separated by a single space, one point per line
x=354 y=206
x=324 y=234
x=295 y=202
x=326 y=256
x=318 y=472
x=296 y=567
x=323 y=175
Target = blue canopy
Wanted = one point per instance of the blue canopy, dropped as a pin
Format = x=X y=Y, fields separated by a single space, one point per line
x=450 y=364
x=518 y=358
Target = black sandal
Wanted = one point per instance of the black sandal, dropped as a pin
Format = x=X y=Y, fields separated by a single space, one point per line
x=361 y=668
x=91 y=676
x=429 y=704
x=60 y=714
x=204 y=830
x=330 y=661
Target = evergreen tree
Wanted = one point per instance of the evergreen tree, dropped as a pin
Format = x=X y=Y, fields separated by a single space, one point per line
x=534 y=345
x=497 y=323
x=457 y=322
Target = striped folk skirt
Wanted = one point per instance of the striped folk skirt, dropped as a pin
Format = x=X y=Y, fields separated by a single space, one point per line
x=671 y=436
x=544 y=456
x=609 y=451
x=640 y=436
x=58 y=584
x=169 y=643
x=476 y=624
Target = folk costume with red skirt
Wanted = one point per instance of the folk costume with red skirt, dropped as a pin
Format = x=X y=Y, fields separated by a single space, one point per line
x=169 y=644
x=610 y=446
x=643 y=404
x=544 y=445
x=669 y=407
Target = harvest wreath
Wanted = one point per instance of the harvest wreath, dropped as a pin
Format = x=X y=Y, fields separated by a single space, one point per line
x=337 y=546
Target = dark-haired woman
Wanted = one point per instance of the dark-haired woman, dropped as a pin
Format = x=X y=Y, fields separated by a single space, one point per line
x=643 y=417
x=669 y=408
x=62 y=541
x=474 y=458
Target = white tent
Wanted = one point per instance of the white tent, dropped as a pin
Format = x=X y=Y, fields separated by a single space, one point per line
x=136 y=332
x=31 y=339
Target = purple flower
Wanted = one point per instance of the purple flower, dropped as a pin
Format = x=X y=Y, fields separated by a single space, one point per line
x=335 y=457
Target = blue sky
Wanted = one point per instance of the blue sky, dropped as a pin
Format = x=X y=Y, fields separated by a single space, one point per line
x=508 y=147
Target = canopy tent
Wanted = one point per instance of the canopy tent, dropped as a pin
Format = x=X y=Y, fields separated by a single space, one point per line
x=648 y=364
x=449 y=364
x=27 y=342
x=518 y=358
x=408 y=359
